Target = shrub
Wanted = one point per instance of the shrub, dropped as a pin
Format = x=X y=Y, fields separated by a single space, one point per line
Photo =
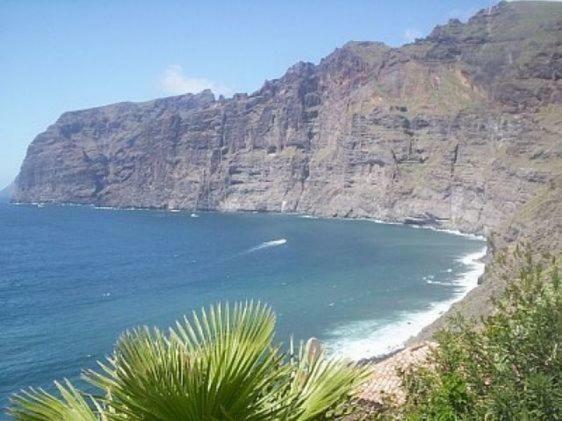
x=507 y=367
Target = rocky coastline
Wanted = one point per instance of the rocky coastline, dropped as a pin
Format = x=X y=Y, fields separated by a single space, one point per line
x=460 y=131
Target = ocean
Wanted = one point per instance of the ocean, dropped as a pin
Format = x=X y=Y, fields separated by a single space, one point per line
x=72 y=278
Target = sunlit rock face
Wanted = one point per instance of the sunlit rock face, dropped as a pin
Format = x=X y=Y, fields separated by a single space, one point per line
x=460 y=130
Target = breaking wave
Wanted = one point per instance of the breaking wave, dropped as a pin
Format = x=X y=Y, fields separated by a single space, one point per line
x=372 y=338
x=432 y=282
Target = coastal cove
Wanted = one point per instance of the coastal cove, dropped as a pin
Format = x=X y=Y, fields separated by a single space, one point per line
x=281 y=211
x=362 y=288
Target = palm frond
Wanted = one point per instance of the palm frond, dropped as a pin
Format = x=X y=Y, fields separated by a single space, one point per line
x=318 y=384
x=37 y=404
x=216 y=366
x=220 y=365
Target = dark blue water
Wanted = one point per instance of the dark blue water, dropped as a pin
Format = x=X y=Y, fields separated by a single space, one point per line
x=73 y=278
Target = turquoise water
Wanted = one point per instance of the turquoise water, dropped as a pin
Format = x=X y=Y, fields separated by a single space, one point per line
x=73 y=278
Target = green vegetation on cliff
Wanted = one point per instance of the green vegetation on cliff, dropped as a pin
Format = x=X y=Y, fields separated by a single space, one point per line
x=510 y=367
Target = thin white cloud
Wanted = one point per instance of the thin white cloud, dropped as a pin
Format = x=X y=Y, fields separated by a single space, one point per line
x=175 y=82
x=411 y=34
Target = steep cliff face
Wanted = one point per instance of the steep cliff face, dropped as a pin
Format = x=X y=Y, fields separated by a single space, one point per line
x=462 y=130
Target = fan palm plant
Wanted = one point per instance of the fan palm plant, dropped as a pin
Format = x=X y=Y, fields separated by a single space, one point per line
x=221 y=365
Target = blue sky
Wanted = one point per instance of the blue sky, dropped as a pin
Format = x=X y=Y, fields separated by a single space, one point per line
x=62 y=55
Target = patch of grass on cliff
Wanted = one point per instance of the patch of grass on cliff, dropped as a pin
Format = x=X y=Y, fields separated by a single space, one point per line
x=509 y=367
x=441 y=91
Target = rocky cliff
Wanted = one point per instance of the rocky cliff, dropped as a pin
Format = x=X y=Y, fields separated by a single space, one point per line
x=461 y=130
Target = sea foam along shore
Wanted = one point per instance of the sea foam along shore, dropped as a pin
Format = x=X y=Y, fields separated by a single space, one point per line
x=369 y=339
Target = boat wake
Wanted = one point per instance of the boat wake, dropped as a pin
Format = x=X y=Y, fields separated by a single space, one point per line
x=267 y=244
